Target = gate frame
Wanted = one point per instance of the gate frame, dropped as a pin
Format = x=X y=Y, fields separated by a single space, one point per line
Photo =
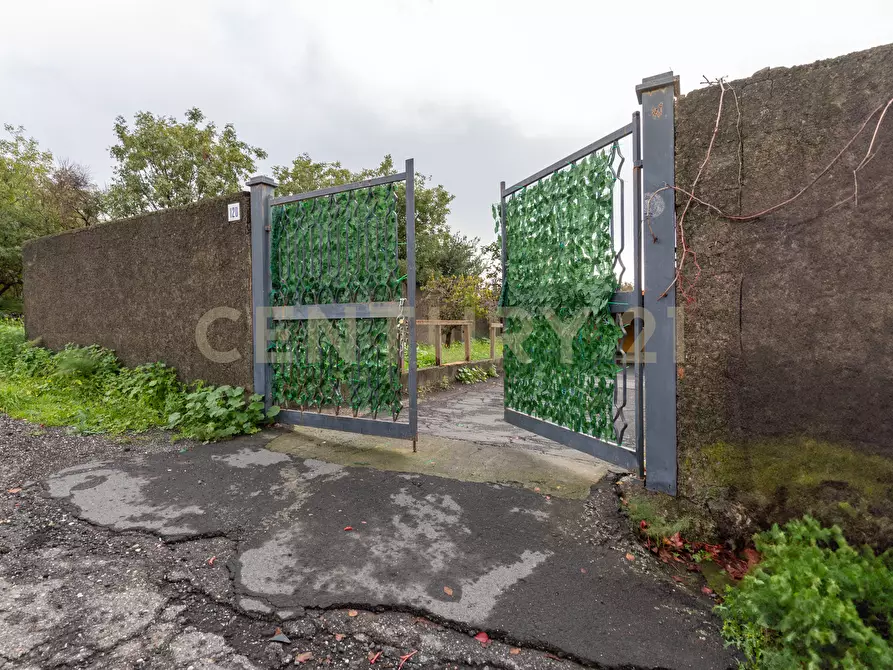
x=262 y=202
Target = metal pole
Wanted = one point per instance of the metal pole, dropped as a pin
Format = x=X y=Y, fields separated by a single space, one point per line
x=637 y=295
x=410 y=298
x=261 y=222
x=657 y=95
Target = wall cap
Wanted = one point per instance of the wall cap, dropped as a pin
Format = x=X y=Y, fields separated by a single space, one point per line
x=658 y=81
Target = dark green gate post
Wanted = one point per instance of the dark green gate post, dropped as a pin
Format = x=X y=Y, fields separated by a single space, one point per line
x=261 y=194
x=657 y=96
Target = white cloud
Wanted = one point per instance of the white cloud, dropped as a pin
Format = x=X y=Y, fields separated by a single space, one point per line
x=476 y=91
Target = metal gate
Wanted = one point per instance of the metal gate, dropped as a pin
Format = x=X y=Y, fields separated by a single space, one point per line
x=568 y=376
x=562 y=248
x=334 y=310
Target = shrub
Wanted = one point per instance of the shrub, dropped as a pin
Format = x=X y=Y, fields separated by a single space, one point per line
x=215 y=412
x=813 y=602
x=88 y=389
x=471 y=375
x=12 y=339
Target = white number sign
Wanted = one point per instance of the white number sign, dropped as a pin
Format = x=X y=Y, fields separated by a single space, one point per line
x=233 y=212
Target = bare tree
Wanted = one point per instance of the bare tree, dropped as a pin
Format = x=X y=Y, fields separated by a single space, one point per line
x=74 y=195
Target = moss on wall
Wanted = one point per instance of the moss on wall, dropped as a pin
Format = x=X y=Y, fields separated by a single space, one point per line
x=752 y=484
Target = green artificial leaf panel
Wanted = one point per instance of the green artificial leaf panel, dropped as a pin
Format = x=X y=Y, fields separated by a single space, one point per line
x=560 y=278
x=337 y=249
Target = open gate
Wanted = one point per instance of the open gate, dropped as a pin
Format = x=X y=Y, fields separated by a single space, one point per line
x=334 y=308
x=563 y=242
x=568 y=376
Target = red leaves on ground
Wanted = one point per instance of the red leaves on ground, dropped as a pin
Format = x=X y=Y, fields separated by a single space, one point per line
x=304 y=657
x=348 y=528
x=643 y=525
x=408 y=656
x=374 y=656
x=483 y=638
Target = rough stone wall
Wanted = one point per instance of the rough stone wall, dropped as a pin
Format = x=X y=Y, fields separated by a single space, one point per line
x=788 y=339
x=139 y=286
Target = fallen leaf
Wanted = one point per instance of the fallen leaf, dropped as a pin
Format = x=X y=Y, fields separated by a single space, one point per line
x=304 y=657
x=643 y=524
x=408 y=656
x=514 y=651
x=279 y=636
x=536 y=489
x=448 y=591
x=707 y=590
x=630 y=557
x=548 y=497
x=352 y=613
x=17 y=489
x=211 y=560
x=374 y=656
x=348 y=528
x=483 y=638
x=339 y=637
x=677 y=578
x=675 y=541
x=584 y=570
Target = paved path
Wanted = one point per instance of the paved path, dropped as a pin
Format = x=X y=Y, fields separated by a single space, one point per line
x=541 y=571
x=475 y=414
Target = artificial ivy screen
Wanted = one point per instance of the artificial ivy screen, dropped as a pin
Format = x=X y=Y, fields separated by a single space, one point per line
x=336 y=249
x=559 y=273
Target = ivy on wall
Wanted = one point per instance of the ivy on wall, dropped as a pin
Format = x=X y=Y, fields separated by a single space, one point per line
x=336 y=249
x=560 y=279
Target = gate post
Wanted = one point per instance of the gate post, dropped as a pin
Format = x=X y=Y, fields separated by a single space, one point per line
x=261 y=223
x=657 y=96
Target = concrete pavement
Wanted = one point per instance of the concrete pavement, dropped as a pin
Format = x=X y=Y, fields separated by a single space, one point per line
x=543 y=571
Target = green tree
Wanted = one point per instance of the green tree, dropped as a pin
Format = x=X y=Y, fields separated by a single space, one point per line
x=439 y=250
x=25 y=209
x=163 y=163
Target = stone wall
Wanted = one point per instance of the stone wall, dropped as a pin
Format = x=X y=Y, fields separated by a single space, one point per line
x=786 y=357
x=142 y=286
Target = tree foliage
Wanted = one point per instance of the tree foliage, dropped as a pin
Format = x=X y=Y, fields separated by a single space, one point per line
x=25 y=213
x=456 y=296
x=162 y=162
x=38 y=197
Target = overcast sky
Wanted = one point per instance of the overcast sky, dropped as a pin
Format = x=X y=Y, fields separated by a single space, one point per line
x=475 y=91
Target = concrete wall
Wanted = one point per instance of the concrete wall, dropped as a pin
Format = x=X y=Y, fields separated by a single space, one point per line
x=786 y=354
x=140 y=287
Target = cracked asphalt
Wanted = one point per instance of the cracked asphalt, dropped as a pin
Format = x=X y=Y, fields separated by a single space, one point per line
x=146 y=554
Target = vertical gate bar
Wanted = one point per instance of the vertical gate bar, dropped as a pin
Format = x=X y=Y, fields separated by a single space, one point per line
x=261 y=281
x=657 y=96
x=410 y=299
x=637 y=289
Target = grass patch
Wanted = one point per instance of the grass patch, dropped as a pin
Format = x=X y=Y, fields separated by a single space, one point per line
x=88 y=389
x=664 y=516
x=480 y=351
